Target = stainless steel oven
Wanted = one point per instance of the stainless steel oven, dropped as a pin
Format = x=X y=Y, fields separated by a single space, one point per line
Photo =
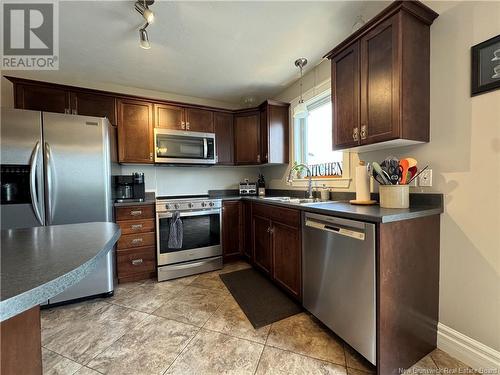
x=200 y=250
x=182 y=147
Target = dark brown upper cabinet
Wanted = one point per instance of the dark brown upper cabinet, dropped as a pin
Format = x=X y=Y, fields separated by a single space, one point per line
x=199 y=120
x=90 y=104
x=274 y=130
x=41 y=98
x=345 y=95
x=169 y=117
x=380 y=80
x=247 y=138
x=243 y=137
x=135 y=131
x=224 y=138
x=180 y=118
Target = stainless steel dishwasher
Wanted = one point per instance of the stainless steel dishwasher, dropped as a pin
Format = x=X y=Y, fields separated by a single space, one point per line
x=339 y=278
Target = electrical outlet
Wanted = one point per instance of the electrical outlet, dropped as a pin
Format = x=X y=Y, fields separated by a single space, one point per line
x=425 y=178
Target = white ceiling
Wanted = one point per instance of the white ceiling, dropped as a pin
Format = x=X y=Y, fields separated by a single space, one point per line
x=219 y=50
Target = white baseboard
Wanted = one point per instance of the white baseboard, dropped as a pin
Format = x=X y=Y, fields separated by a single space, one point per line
x=466 y=349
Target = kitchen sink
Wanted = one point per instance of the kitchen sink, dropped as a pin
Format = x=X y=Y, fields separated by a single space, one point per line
x=301 y=201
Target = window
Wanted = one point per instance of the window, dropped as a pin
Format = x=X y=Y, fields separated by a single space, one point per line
x=313 y=139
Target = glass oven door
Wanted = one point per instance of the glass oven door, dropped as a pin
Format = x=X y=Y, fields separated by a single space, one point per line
x=201 y=236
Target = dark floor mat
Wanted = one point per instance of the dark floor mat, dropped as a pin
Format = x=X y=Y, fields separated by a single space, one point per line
x=262 y=302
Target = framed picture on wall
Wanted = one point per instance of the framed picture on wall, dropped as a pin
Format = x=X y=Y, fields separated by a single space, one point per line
x=485 y=66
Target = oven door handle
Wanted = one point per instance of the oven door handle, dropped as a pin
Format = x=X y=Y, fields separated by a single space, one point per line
x=163 y=215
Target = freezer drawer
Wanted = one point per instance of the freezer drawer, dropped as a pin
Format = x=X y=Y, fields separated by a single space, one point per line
x=339 y=278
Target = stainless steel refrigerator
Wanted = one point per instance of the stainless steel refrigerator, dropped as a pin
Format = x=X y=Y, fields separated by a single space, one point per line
x=56 y=169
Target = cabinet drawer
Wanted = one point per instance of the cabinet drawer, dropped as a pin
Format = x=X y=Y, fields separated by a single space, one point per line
x=136 y=240
x=137 y=226
x=287 y=216
x=135 y=212
x=135 y=261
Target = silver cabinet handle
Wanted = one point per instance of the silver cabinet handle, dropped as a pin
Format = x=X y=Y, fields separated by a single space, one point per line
x=136 y=226
x=183 y=125
x=136 y=212
x=355 y=135
x=137 y=262
x=34 y=196
x=135 y=241
x=150 y=156
x=364 y=132
x=258 y=158
x=187 y=125
x=74 y=112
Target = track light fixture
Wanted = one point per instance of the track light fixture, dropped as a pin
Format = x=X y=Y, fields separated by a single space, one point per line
x=142 y=6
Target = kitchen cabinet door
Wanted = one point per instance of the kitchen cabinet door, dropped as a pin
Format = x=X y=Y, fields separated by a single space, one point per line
x=231 y=229
x=89 y=104
x=262 y=243
x=345 y=98
x=169 y=117
x=199 y=120
x=247 y=138
x=286 y=251
x=135 y=131
x=224 y=139
x=246 y=242
x=41 y=98
x=274 y=132
x=380 y=86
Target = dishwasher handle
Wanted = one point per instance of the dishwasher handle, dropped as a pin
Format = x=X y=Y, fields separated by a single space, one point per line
x=357 y=235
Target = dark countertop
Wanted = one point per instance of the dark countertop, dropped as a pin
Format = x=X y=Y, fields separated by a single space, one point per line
x=344 y=209
x=39 y=263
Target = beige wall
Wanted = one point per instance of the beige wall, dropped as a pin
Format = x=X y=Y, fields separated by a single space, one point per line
x=464 y=154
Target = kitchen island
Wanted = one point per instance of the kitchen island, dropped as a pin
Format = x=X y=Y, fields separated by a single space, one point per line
x=37 y=264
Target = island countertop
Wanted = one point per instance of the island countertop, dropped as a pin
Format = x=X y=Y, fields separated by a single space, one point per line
x=39 y=263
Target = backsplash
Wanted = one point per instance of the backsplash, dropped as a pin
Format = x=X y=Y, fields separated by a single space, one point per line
x=191 y=180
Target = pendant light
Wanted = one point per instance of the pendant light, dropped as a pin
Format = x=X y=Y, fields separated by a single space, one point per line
x=300 y=110
x=142 y=7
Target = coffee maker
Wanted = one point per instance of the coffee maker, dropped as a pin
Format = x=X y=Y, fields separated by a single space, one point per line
x=129 y=188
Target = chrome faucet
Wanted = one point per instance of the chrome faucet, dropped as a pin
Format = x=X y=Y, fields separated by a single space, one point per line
x=309 y=175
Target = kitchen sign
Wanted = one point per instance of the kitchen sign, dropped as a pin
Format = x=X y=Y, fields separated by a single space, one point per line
x=30 y=35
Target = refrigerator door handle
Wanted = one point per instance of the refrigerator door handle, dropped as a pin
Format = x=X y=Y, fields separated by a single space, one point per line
x=33 y=183
x=50 y=188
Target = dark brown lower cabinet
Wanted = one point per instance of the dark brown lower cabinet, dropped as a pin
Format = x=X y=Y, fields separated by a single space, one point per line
x=246 y=217
x=286 y=250
x=262 y=257
x=277 y=247
x=21 y=349
x=231 y=229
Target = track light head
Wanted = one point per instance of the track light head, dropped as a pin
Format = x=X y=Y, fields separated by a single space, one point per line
x=144 y=38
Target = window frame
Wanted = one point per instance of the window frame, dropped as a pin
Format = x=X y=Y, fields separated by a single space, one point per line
x=315 y=95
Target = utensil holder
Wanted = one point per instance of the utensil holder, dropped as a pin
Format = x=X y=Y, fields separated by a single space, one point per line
x=394 y=196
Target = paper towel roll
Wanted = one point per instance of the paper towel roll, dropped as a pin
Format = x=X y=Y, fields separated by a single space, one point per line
x=362 y=183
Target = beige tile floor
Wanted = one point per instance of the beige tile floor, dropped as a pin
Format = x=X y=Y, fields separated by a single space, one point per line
x=194 y=326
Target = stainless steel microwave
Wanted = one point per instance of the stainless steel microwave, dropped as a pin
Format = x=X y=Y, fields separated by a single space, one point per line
x=181 y=147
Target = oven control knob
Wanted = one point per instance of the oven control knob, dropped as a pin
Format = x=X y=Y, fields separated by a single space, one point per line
x=211 y=204
x=203 y=204
x=167 y=206
x=176 y=206
x=190 y=205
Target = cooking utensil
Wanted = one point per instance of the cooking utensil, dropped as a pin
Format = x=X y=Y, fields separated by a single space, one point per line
x=391 y=166
x=383 y=174
x=418 y=174
x=412 y=162
x=404 y=165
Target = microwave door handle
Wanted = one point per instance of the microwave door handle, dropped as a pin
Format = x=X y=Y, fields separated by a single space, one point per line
x=33 y=183
x=205 y=148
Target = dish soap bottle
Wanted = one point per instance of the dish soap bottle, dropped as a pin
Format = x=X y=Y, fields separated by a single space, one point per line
x=261 y=186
